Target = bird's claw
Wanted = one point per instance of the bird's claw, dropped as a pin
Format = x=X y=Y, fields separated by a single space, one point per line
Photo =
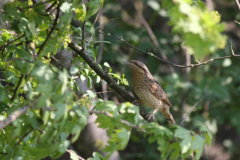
x=149 y=117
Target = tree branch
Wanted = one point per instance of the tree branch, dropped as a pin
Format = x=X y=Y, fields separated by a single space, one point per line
x=38 y=4
x=152 y=35
x=13 y=116
x=25 y=135
x=4 y=46
x=17 y=87
x=105 y=76
x=174 y=65
x=237 y=4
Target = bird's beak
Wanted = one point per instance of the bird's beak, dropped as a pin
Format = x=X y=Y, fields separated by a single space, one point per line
x=127 y=63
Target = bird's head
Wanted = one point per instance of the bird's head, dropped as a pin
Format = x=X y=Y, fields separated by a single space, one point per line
x=137 y=67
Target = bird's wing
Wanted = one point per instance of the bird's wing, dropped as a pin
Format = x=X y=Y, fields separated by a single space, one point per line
x=155 y=88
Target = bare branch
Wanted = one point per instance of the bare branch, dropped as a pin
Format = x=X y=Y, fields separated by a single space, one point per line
x=192 y=109
x=13 y=117
x=237 y=4
x=59 y=62
x=175 y=65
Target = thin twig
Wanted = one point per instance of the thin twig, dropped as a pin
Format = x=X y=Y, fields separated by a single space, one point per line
x=25 y=135
x=237 y=4
x=13 y=116
x=4 y=46
x=232 y=48
x=83 y=35
x=101 y=37
x=93 y=25
x=237 y=22
x=51 y=31
x=192 y=109
x=175 y=65
x=38 y=4
x=59 y=62
x=152 y=35
x=17 y=87
x=50 y=7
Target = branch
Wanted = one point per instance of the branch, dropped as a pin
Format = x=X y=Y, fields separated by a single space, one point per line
x=3 y=47
x=17 y=87
x=38 y=4
x=13 y=117
x=237 y=4
x=25 y=135
x=51 y=31
x=174 y=65
x=105 y=76
x=151 y=34
x=192 y=109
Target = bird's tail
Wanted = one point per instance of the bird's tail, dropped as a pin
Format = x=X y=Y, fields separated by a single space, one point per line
x=168 y=115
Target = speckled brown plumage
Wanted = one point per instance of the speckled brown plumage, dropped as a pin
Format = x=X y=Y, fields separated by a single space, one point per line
x=149 y=90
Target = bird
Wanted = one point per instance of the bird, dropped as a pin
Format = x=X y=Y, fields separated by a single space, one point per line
x=149 y=90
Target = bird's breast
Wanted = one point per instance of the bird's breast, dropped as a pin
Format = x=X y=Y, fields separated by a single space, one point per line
x=145 y=95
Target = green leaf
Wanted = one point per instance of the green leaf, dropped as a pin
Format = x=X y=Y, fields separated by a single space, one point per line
x=9 y=155
x=91 y=93
x=218 y=89
x=198 y=145
x=73 y=155
x=102 y=42
x=96 y=156
x=43 y=73
x=186 y=138
x=66 y=7
x=90 y=27
x=63 y=76
x=74 y=70
x=89 y=85
x=207 y=134
x=61 y=110
x=93 y=7
x=105 y=123
x=80 y=13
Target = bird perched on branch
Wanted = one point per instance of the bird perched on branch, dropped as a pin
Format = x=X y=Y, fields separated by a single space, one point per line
x=149 y=90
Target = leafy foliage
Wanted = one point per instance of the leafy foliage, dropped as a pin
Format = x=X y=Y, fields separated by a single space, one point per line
x=199 y=27
x=56 y=115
